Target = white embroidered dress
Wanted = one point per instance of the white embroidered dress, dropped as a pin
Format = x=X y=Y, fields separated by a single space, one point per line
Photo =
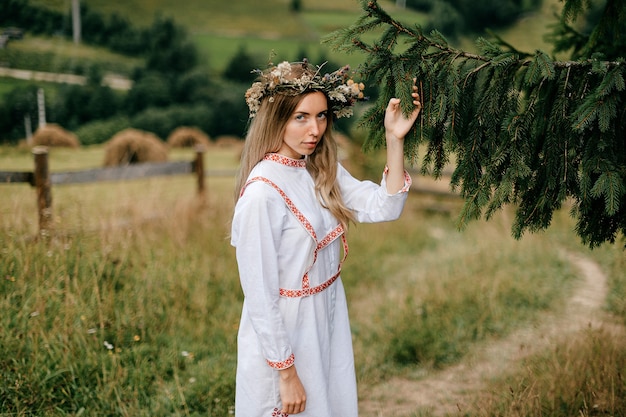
x=289 y=252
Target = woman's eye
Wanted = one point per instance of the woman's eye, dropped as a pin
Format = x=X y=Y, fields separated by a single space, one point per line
x=321 y=116
x=299 y=117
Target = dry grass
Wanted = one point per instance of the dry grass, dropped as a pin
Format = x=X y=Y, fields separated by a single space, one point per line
x=153 y=275
x=580 y=375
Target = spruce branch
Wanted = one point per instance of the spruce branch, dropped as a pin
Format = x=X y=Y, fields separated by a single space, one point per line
x=524 y=129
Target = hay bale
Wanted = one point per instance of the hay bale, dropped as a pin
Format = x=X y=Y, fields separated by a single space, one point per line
x=227 y=141
x=54 y=135
x=188 y=137
x=133 y=146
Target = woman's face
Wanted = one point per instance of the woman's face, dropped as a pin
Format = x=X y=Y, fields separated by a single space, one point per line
x=305 y=126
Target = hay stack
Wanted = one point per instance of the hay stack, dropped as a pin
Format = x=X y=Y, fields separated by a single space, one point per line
x=227 y=141
x=188 y=137
x=133 y=146
x=54 y=135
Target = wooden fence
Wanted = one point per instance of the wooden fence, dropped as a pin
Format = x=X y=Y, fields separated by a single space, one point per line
x=42 y=179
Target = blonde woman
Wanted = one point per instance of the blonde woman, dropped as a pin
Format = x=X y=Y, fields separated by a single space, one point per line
x=294 y=204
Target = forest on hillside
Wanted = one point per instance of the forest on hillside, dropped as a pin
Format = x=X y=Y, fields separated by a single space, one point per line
x=171 y=86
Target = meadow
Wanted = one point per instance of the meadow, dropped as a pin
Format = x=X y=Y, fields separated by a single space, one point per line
x=130 y=306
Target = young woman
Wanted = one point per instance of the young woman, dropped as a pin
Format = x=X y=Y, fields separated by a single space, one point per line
x=294 y=204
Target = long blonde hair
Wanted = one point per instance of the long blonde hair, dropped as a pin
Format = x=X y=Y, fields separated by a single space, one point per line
x=265 y=135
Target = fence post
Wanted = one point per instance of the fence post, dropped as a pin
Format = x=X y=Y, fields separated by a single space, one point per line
x=199 y=168
x=44 y=193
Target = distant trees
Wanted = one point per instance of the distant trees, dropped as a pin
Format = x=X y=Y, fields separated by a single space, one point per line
x=295 y=5
x=171 y=76
x=164 y=44
x=18 y=104
x=240 y=67
x=114 y=32
x=76 y=105
x=168 y=50
x=37 y=20
x=170 y=88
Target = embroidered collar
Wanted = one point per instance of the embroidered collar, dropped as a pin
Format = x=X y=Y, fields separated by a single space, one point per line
x=285 y=160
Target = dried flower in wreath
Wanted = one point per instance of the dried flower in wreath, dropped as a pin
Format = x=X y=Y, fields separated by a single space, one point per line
x=341 y=90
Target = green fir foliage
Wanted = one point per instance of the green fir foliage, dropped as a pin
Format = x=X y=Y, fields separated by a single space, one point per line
x=523 y=129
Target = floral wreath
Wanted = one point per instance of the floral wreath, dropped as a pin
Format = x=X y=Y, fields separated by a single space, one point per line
x=341 y=90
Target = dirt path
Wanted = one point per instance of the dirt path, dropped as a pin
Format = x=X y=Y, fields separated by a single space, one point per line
x=114 y=81
x=450 y=390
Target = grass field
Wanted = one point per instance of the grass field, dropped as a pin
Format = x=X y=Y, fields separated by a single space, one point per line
x=131 y=306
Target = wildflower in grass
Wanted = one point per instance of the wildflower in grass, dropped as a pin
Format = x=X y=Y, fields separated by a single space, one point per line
x=108 y=345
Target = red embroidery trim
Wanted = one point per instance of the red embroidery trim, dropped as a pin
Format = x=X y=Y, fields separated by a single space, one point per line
x=329 y=238
x=277 y=413
x=292 y=207
x=334 y=234
x=305 y=292
x=284 y=160
x=407 y=180
x=282 y=364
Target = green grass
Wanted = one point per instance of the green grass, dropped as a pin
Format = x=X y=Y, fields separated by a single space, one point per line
x=57 y=54
x=218 y=29
x=145 y=266
x=131 y=306
x=527 y=34
x=218 y=51
x=425 y=294
x=244 y=16
x=124 y=314
x=8 y=84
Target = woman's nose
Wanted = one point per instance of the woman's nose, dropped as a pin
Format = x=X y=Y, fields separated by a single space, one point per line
x=319 y=127
x=314 y=130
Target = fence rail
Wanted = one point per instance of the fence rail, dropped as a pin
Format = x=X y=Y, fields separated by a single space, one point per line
x=13 y=177
x=42 y=179
x=125 y=173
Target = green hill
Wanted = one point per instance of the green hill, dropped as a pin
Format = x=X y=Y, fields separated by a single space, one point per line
x=220 y=28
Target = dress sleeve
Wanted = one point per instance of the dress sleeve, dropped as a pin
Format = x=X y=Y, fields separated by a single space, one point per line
x=370 y=201
x=256 y=234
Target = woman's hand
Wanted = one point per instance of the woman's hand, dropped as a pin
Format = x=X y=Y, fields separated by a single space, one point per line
x=397 y=125
x=292 y=393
